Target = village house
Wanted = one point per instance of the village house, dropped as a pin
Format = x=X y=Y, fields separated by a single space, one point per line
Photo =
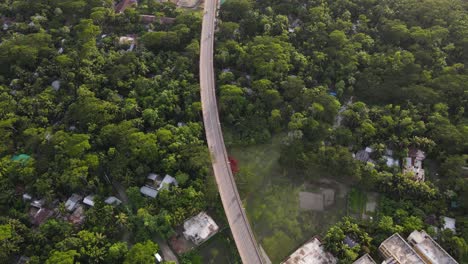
x=124 y=4
x=413 y=164
x=395 y=250
x=148 y=19
x=112 y=200
x=167 y=20
x=311 y=252
x=449 y=223
x=200 y=228
x=23 y=260
x=26 y=197
x=38 y=203
x=40 y=215
x=430 y=251
x=349 y=241
x=364 y=155
x=166 y=182
x=73 y=202
x=389 y=160
x=77 y=217
x=129 y=41
x=365 y=259
x=155 y=183
x=89 y=200
x=148 y=191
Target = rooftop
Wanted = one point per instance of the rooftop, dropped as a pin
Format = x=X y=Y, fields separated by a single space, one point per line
x=396 y=247
x=148 y=191
x=72 y=202
x=200 y=228
x=449 y=223
x=365 y=259
x=39 y=216
x=429 y=249
x=311 y=252
x=112 y=200
x=78 y=216
x=89 y=200
x=168 y=180
x=416 y=154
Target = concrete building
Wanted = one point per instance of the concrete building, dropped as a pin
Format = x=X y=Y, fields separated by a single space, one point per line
x=200 y=228
x=311 y=252
x=449 y=223
x=413 y=164
x=395 y=250
x=365 y=259
x=430 y=251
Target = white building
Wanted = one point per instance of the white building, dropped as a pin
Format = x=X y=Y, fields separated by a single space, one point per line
x=395 y=250
x=449 y=223
x=311 y=252
x=365 y=259
x=428 y=249
x=200 y=228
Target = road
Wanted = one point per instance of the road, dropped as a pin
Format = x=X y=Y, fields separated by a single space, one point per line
x=245 y=241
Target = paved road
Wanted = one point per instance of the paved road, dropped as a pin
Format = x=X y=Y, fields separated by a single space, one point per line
x=238 y=222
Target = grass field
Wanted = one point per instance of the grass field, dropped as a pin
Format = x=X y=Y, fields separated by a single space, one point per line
x=357 y=202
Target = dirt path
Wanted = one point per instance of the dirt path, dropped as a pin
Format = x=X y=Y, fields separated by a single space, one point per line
x=166 y=251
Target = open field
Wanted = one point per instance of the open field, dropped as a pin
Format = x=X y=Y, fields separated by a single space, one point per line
x=357 y=202
x=271 y=198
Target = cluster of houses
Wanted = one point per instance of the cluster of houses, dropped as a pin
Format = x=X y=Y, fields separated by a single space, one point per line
x=40 y=211
x=419 y=248
x=156 y=183
x=412 y=164
x=195 y=230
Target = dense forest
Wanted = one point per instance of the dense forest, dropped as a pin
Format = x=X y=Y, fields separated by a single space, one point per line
x=92 y=100
x=338 y=76
x=86 y=112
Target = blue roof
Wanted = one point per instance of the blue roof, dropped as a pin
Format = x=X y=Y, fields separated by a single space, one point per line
x=21 y=157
